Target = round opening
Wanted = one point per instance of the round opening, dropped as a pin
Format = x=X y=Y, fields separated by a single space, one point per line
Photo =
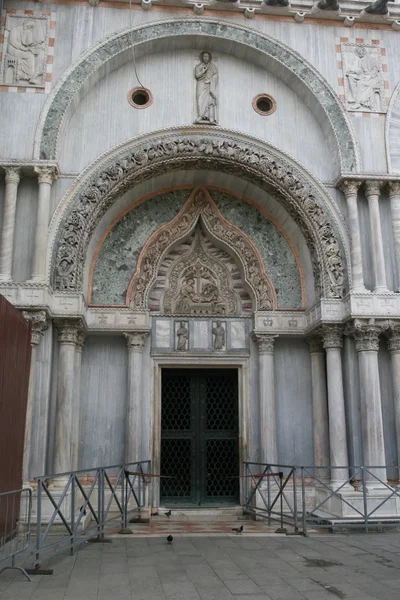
x=264 y=104
x=140 y=97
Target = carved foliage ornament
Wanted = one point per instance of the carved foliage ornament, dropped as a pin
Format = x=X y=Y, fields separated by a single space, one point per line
x=265 y=342
x=244 y=160
x=200 y=205
x=38 y=318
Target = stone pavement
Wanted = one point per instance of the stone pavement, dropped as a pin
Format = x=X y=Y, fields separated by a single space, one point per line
x=239 y=567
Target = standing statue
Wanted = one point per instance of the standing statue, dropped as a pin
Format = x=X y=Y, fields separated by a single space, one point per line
x=219 y=336
x=206 y=75
x=182 y=335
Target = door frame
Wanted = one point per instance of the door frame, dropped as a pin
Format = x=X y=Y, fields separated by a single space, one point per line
x=242 y=365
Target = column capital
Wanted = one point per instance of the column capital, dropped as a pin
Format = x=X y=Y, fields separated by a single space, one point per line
x=393 y=340
x=265 y=342
x=136 y=340
x=46 y=174
x=349 y=187
x=13 y=174
x=332 y=336
x=373 y=187
x=366 y=334
x=315 y=342
x=38 y=318
x=80 y=341
x=69 y=330
x=394 y=188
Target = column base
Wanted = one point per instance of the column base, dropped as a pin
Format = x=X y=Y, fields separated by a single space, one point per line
x=359 y=289
x=382 y=290
x=37 y=279
x=351 y=504
x=5 y=278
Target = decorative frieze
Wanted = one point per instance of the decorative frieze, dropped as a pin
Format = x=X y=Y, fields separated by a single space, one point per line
x=38 y=319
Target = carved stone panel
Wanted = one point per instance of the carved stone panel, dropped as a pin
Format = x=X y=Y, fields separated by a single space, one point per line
x=181 y=336
x=219 y=335
x=28 y=41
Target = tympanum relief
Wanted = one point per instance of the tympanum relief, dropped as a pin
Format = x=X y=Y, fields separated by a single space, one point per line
x=206 y=75
x=364 y=84
x=25 y=49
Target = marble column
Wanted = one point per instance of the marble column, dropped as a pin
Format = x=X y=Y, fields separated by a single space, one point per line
x=366 y=338
x=12 y=179
x=350 y=189
x=333 y=343
x=394 y=349
x=372 y=193
x=394 y=195
x=68 y=331
x=266 y=374
x=39 y=322
x=133 y=438
x=320 y=405
x=46 y=176
x=77 y=401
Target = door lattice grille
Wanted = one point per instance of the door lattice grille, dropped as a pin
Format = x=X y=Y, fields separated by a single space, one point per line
x=221 y=410
x=175 y=411
x=176 y=461
x=222 y=461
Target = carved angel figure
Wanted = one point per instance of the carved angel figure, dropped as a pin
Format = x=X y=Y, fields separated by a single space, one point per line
x=206 y=75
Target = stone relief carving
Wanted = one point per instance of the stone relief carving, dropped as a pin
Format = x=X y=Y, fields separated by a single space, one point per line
x=363 y=79
x=250 y=162
x=219 y=335
x=198 y=284
x=182 y=335
x=209 y=297
x=25 y=51
x=206 y=75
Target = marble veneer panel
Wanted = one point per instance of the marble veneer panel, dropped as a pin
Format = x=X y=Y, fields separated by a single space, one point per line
x=117 y=259
x=280 y=262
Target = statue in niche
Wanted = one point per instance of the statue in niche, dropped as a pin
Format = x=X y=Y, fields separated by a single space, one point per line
x=25 y=54
x=219 y=336
x=364 y=80
x=206 y=75
x=182 y=336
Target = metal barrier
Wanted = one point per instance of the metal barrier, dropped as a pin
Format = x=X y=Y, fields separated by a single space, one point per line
x=78 y=507
x=15 y=526
x=362 y=500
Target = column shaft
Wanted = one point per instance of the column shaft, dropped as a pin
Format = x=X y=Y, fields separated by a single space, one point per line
x=378 y=257
x=133 y=437
x=394 y=193
x=337 y=416
x=45 y=177
x=350 y=189
x=7 y=235
x=320 y=405
x=268 y=442
x=394 y=347
x=77 y=403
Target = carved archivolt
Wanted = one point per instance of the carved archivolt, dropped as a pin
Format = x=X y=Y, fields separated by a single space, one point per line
x=218 y=152
x=205 y=286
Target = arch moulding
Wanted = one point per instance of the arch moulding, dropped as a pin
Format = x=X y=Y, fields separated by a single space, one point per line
x=79 y=213
x=269 y=52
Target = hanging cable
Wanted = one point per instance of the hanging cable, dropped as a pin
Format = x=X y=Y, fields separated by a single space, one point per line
x=132 y=45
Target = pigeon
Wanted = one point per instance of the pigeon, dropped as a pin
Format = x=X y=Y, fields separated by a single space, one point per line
x=168 y=514
x=238 y=529
x=170 y=539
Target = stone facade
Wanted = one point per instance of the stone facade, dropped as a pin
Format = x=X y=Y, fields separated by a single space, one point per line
x=203 y=230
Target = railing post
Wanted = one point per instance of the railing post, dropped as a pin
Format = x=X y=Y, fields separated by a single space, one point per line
x=72 y=542
x=364 y=490
x=38 y=524
x=294 y=473
x=303 y=500
x=124 y=504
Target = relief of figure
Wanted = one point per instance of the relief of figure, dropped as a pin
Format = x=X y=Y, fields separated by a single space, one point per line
x=365 y=83
x=29 y=52
x=219 y=336
x=182 y=335
x=206 y=75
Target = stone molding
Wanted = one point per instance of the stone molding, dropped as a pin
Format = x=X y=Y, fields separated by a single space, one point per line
x=201 y=206
x=12 y=175
x=366 y=334
x=261 y=165
x=46 y=174
x=291 y=63
x=38 y=319
x=332 y=336
x=265 y=342
x=136 y=340
x=69 y=330
x=316 y=344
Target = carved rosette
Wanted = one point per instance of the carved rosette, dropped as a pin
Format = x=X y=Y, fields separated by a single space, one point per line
x=13 y=175
x=38 y=318
x=316 y=345
x=136 y=340
x=200 y=205
x=265 y=342
x=46 y=174
x=350 y=187
x=69 y=331
x=251 y=163
x=332 y=336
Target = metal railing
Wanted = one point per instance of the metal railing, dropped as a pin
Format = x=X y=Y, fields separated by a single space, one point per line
x=78 y=507
x=15 y=526
x=314 y=497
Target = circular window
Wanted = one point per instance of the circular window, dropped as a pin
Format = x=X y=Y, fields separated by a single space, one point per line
x=264 y=104
x=140 y=97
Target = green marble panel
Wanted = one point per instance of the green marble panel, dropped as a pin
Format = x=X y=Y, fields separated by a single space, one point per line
x=280 y=262
x=117 y=259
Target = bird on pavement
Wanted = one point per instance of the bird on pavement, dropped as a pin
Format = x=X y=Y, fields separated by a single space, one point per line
x=170 y=539
x=238 y=529
x=168 y=514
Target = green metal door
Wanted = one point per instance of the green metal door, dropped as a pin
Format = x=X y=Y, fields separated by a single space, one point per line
x=199 y=437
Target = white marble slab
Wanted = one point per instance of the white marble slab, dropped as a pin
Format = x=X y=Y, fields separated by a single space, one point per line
x=201 y=337
x=238 y=334
x=162 y=338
